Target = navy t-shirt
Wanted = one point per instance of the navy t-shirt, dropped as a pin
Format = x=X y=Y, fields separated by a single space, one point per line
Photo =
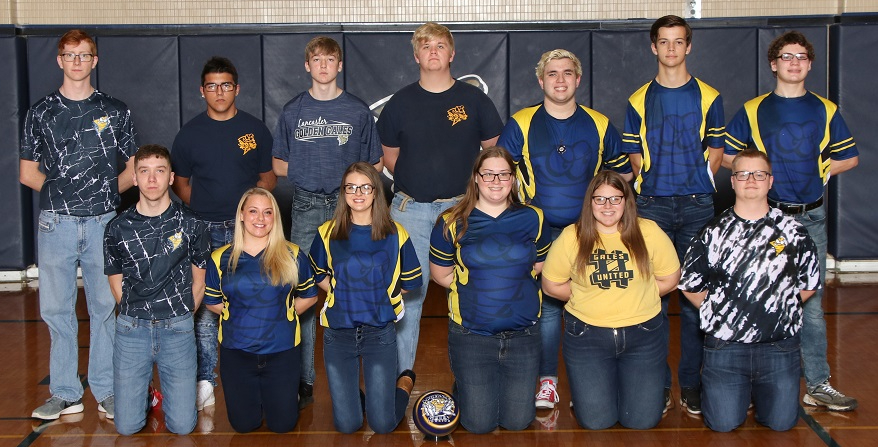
x=222 y=159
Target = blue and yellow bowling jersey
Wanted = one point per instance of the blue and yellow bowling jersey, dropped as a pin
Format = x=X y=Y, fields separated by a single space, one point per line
x=672 y=129
x=257 y=317
x=557 y=158
x=801 y=137
x=495 y=288
x=366 y=277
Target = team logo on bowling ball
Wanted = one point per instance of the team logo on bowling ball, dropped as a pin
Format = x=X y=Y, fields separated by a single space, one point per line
x=435 y=413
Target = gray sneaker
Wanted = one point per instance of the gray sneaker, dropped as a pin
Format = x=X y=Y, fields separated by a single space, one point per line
x=108 y=406
x=55 y=407
x=827 y=396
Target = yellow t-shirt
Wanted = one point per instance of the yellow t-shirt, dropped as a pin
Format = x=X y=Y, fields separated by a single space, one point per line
x=612 y=293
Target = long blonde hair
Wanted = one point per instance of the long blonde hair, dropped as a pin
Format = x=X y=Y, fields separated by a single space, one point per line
x=277 y=262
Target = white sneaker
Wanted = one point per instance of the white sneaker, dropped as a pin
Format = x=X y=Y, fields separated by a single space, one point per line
x=204 y=396
x=547 y=397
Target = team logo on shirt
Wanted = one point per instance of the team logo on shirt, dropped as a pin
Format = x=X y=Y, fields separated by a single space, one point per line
x=456 y=114
x=779 y=244
x=610 y=269
x=176 y=239
x=101 y=123
x=247 y=142
x=308 y=130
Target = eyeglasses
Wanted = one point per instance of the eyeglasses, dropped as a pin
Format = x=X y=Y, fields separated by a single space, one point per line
x=789 y=56
x=759 y=176
x=350 y=188
x=70 y=57
x=601 y=200
x=226 y=86
x=488 y=177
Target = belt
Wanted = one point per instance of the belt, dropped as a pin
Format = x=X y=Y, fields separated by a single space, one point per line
x=407 y=198
x=221 y=224
x=796 y=208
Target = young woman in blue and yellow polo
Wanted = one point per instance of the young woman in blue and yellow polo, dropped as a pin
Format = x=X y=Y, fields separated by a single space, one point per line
x=365 y=262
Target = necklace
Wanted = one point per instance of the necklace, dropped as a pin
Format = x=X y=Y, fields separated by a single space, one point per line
x=553 y=124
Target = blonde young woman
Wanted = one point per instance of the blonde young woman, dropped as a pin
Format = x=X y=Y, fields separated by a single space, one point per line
x=612 y=269
x=259 y=284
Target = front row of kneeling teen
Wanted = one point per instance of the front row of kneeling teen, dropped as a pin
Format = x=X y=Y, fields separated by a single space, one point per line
x=489 y=250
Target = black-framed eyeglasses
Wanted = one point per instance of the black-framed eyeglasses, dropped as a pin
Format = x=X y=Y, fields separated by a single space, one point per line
x=226 y=86
x=366 y=189
x=790 y=56
x=759 y=176
x=489 y=177
x=602 y=200
x=70 y=57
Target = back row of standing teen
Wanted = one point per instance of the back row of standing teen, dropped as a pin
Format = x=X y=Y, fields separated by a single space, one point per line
x=431 y=132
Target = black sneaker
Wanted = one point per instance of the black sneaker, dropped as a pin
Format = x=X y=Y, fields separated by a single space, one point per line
x=690 y=399
x=406 y=381
x=306 y=395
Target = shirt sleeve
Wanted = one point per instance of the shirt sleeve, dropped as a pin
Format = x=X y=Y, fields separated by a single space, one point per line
x=370 y=148
x=112 y=256
x=614 y=158
x=841 y=143
x=180 y=162
x=199 y=245
x=306 y=288
x=264 y=148
x=489 y=119
x=559 y=263
x=512 y=139
x=32 y=142
x=387 y=125
x=631 y=138
x=544 y=240
x=319 y=259
x=213 y=289
x=809 y=264
x=695 y=266
x=126 y=136
x=738 y=133
x=412 y=277
x=441 y=249
x=715 y=124
x=280 y=147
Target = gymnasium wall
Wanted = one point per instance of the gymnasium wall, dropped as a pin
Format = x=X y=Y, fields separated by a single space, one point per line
x=156 y=72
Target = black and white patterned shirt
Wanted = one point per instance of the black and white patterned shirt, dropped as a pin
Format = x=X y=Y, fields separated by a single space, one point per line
x=80 y=146
x=753 y=271
x=155 y=257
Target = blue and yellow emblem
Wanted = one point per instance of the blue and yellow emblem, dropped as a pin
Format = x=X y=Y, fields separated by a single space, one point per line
x=779 y=244
x=101 y=123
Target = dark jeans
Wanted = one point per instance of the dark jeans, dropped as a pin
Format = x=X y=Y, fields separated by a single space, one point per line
x=616 y=374
x=494 y=377
x=682 y=218
x=736 y=374
x=261 y=384
x=385 y=403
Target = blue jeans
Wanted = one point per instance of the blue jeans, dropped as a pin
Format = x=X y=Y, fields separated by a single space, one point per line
x=418 y=219
x=140 y=344
x=207 y=322
x=682 y=218
x=310 y=210
x=494 y=377
x=616 y=374
x=813 y=325
x=385 y=403
x=257 y=384
x=736 y=374
x=551 y=310
x=65 y=241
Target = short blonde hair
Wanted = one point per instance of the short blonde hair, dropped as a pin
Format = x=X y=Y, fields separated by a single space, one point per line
x=558 y=54
x=430 y=31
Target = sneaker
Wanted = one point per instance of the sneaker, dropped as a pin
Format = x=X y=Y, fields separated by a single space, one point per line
x=107 y=406
x=204 y=397
x=827 y=396
x=690 y=399
x=547 y=397
x=406 y=381
x=306 y=394
x=55 y=407
x=668 y=402
x=550 y=421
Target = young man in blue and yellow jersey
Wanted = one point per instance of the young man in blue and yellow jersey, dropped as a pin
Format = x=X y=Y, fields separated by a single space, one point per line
x=807 y=141
x=673 y=134
x=559 y=146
